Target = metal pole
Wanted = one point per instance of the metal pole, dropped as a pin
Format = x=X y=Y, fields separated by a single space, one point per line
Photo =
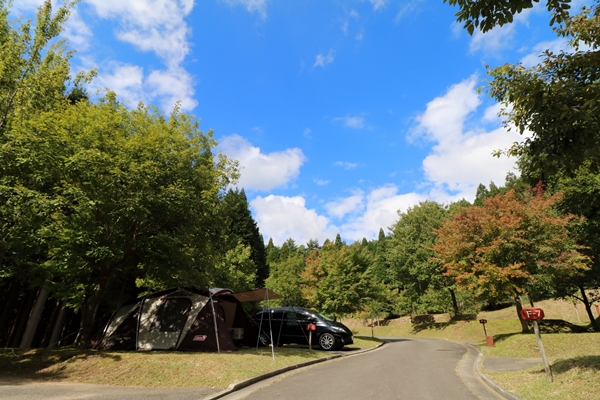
x=212 y=305
x=536 y=329
x=270 y=328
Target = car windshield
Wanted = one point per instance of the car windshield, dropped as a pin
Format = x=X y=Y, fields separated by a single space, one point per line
x=324 y=318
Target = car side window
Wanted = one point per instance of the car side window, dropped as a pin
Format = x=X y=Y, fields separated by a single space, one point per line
x=292 y=318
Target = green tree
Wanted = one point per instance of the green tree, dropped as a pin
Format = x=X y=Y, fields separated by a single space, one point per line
x=510 y=247
x=340 y=280
x=130 y=194
x=241 y=228
x=487 y=14
x=581 y=196
x=285 y=279
x=409 y=255
x=556 y=102
x=35 y=73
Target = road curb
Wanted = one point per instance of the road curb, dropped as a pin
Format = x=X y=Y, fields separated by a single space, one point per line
x=489 y=381
x=250 y=381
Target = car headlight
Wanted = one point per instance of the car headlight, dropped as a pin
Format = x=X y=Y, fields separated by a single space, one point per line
x=338 y=329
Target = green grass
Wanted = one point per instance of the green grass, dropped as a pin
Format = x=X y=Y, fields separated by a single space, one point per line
x=575 y=366
x=155 y=368
x=459 y=330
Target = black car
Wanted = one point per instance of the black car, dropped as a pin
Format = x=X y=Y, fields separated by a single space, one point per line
x=290 y=325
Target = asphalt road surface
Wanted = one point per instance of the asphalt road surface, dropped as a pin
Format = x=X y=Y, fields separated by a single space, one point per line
x=402 y=369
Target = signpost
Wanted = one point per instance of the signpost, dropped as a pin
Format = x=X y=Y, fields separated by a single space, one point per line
x=534 y=315
x=310 y=328
x=372 y=332
x=489 y=340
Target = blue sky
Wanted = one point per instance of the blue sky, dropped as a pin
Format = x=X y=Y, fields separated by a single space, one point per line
x=340 y=113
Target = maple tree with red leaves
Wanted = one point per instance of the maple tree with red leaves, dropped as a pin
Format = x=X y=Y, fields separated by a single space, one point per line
x=510 y=246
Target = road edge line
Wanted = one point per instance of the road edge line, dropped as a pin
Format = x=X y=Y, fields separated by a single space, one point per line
x=250 y=381
x=489 y=381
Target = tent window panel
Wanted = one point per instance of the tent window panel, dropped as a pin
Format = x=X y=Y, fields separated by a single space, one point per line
x=171 y=315
x=292 y=318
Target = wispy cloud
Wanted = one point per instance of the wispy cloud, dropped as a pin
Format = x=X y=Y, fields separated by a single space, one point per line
x=351 y=122
x=252 y=6
x=322 y=60
x=377 y=4
x=158 y=27
x=321 y=182
x=346 y=165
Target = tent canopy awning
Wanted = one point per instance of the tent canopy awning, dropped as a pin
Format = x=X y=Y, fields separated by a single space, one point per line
x=257 y=295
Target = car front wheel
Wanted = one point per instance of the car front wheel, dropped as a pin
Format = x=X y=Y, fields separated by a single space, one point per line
x=264 y=339
x=327 y=341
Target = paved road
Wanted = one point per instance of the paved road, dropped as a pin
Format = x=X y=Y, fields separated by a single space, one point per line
x=403 y=369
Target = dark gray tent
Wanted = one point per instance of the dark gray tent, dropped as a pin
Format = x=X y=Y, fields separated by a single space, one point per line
x=180 y=319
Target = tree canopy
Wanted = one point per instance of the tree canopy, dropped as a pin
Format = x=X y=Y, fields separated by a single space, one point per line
x=509 y=247
x=487 y=14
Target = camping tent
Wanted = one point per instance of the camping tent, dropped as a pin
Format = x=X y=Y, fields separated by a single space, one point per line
x=179 y=319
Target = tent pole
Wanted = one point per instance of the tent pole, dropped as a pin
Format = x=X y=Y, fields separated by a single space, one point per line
x=270 y=328
x=212 y=305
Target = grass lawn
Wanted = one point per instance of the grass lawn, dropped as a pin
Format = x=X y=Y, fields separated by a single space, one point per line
x=155 y=368
x=575 y=366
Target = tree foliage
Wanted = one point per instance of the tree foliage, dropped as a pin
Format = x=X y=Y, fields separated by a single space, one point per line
x=487 y=14
x=509 y=247
x=555 y=102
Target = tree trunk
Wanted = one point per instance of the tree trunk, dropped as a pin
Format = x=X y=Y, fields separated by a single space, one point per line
x=454 y=302
x=48 y=332
x=524 y=324
x=34 y=318
x=22 y=318
x=88 y=315
x=6 y=311
x=58 y=326
x=588 y=309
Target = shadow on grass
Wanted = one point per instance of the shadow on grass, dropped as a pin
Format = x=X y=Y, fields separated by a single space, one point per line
x=30 y=364
x=584 y=362
x=426 y=322
x=560 y=326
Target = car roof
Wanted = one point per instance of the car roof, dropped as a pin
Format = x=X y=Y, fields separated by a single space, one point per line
x=284 y=309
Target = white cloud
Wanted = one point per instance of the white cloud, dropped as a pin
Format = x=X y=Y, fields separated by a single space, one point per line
x=381 y=208
x=156 y=26
x=324 y=60
x=77 y=31
x=124 y=79
x=252 y=6
x=260 y=171
x=174 y=84
x=321 y=182
x=341 y=207
x=352 y=122
x=132 y=86
x=462 y=158
x=345 y=164
x=281 y=218
x=150 y=25
x=445 y=116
